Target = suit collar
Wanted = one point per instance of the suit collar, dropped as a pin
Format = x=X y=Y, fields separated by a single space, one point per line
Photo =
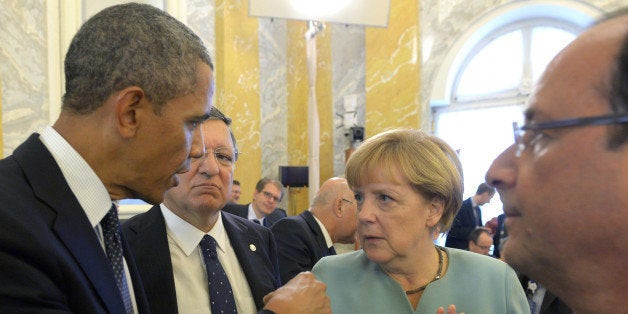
x=80 y=177
x=187 y=236
x=320 y=234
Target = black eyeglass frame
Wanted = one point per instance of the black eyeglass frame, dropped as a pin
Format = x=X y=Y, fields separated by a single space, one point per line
x=348 y=201
x=615 y=118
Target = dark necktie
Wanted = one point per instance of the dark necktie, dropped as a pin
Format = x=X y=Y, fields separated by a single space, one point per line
x=257 y=221
x=332 y=251
x=113 y=246
x=220 y=292
x=478 y=216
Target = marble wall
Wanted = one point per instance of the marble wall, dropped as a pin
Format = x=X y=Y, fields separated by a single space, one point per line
x=23 y=70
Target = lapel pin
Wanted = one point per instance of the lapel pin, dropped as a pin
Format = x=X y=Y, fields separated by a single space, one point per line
x=252 y=247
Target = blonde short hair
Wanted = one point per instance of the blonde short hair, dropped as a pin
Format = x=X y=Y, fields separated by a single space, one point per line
x=429 y=164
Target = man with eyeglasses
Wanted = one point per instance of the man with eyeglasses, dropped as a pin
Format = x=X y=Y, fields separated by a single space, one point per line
x=564 y=183
x=480 y=241
x=304 y=239
x=181 y=244
x=263 y=209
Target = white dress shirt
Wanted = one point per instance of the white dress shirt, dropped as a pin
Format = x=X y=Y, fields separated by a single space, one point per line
x=252 y=216
x=190 y=278
x=328 y=240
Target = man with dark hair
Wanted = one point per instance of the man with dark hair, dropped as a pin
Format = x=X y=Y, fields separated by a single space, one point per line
x=133 y=73
x=468 y=217
x=480 y=241
x=236 y=190
x=564 y=183
x=263 y=209
x=177 y=275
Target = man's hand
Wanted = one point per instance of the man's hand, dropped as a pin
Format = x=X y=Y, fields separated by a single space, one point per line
x=302 y=294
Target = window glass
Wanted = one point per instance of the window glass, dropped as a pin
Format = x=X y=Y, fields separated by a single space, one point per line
x=546 y=43
x=495 y=68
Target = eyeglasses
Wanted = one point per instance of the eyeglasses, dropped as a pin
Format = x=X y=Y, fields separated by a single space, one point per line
x=269 y=196
x=225 y=156
x=348 y=201
x=483 y=247
x=524 y=138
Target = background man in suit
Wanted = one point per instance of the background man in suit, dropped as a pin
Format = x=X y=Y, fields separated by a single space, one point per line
x=166 y=241
x=236 y=190
x=263 y=209
x=564 y=182
x=468 y=217
x=304 y=239
x=132 y=72
x=480 y=241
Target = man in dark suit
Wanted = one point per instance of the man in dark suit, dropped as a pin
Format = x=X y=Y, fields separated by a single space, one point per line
x=60 y=243
x=166 y=242
x=263 y=209
x=304 y=239
x=468 y=217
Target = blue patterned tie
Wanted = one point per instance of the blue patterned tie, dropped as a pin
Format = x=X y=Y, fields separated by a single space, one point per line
x=220 y=292
x=113 y=246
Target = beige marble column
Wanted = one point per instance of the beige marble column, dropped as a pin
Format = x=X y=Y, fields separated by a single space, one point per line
x=237 y=85
x=393 y=70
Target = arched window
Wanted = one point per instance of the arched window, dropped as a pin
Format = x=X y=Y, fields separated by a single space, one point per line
x=489 y=78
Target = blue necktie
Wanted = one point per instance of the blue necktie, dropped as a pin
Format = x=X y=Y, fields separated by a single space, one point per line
x=220 y=292
x=113 y=246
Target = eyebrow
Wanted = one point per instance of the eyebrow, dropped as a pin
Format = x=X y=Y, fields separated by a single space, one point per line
x=529 y=114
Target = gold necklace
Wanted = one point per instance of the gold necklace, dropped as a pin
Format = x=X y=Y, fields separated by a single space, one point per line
x=438 y=273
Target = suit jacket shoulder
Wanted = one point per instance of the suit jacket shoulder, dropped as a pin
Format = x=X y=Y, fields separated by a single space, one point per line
x=256 y=250
x=275 y=216
x=463 y=224
x=237 y=209
x=50 y=255
x=300 y=243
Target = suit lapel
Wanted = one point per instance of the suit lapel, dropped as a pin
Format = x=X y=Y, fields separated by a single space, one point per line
x=251 y=255
x=153 y=261
x=316 y=230
x=71 y=224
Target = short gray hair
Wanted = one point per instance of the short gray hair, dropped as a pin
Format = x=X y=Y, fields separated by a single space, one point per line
x=131 y=45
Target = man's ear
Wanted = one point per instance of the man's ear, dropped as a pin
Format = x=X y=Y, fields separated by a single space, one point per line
x=128 y=104
x=338 y=207
x=436 y=208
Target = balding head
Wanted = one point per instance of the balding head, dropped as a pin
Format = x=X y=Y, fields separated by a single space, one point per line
x=335 y=206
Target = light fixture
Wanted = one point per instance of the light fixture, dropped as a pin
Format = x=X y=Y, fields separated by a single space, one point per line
x=358 y=12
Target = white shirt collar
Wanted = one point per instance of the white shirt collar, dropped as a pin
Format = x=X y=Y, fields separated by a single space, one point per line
x=473 y=204
x=187 y=236
x=251 y=215
x=328 y=240
x=83 y=181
